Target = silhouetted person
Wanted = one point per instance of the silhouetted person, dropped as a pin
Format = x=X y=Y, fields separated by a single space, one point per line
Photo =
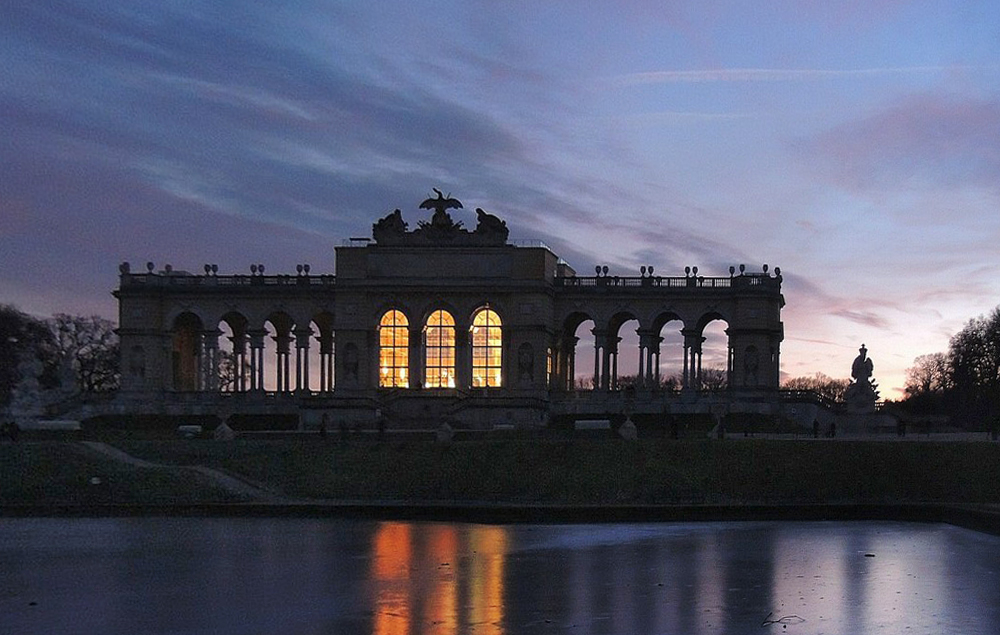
x=815 y=428
x=323 y=425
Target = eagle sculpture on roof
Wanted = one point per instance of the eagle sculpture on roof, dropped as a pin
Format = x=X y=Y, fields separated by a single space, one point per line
x=440 y=205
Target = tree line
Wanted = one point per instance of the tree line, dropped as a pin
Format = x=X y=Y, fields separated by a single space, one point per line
x=71 y=349
x=963 y=382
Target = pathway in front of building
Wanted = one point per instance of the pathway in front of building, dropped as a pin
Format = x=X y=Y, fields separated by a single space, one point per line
x=231 y=484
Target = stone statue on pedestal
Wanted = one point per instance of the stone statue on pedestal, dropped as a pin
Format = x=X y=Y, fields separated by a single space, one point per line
x=861 y=394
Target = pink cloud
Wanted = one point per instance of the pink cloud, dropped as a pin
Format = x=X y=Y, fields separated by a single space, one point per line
x=925 y=137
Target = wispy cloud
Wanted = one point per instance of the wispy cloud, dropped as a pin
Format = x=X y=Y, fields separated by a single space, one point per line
x=865 y=318
x=771 y=74
x=679 y=117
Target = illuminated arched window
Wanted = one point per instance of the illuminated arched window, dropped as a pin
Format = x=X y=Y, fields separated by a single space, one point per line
x=393 y=350
x=487 y=345
x=439 y=347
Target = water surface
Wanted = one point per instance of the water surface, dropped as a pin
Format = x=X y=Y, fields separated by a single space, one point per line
x=313 y=576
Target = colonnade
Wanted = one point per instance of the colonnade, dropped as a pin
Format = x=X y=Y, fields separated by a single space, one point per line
x=606 y=354
x=199 y=360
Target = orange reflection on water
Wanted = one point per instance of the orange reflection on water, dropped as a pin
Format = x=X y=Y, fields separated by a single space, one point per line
x=437 y=579
x=489 y=548
x=392 y=555
x=440 y=601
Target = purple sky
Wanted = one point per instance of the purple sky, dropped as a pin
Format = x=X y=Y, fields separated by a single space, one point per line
x=854 y=144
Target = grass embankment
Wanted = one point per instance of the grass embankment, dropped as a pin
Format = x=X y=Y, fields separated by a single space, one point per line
x=539 y=471
x=573 y=471
x=57 y=473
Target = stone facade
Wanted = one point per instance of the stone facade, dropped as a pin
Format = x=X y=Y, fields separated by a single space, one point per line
x=438 y=323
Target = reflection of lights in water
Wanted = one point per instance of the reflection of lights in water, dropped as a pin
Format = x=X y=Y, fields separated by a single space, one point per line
x=417 y=571
x=391 y=559
x=440 y=604
x=489 y=548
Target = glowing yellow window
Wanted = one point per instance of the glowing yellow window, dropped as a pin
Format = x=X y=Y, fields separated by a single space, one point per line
x=487 y=347
x=439 y=351
x=393 y=352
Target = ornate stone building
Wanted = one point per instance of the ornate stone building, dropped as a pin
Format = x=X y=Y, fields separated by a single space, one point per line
x=436 y=323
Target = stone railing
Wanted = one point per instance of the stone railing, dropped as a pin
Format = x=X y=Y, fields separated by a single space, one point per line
x=191 y=280
x=671 y=282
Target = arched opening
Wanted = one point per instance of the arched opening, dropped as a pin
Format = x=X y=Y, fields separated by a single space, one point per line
x=439 y=350
x=487 y=349
x=321 y=370
x=622 y=370
x=668 y=352
x=713 y=368
x=186 y=352
x=582 y=353
x=277 y=349
x=233 y=366
x=394 y=350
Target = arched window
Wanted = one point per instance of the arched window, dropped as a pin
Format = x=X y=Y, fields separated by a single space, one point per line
x=487 y=346
x=394 y=350
x=439 y=359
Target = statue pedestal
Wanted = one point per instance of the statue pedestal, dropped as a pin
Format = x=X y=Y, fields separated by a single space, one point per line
x=860 y=398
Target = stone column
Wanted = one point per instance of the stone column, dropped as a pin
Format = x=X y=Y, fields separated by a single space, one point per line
x=555 y=351
x=302 y=337
x=649 y=358
x=730 y=354
x=239 y=340
x=692 y=359
x=326 y=362
x=611 y=354
x=416 y=356
x=210 y=360
x=640 y=375
x=569 y=362
x=463 y=356
x=257 y=359
x=600 y=359
x=283 y=343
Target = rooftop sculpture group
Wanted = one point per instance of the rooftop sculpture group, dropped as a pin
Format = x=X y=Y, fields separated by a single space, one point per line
x=442 y=229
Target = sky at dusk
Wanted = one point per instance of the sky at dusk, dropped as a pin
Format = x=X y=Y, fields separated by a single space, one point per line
x=856 y=145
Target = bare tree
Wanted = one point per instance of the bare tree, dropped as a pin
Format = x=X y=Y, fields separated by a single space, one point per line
x=820 y=383
x=21 y=337
x=714 y=379
x=90 y=346
x=930 y=374
x=228 y=371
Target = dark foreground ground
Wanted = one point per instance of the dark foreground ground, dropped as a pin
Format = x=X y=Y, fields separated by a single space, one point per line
x=502 y=472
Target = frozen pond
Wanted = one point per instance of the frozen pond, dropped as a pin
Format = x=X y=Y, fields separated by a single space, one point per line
x=313 y=576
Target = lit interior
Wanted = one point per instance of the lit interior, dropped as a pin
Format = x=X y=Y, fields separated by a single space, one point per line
x=487 y=348
x=394 y=343
x=439 y=345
